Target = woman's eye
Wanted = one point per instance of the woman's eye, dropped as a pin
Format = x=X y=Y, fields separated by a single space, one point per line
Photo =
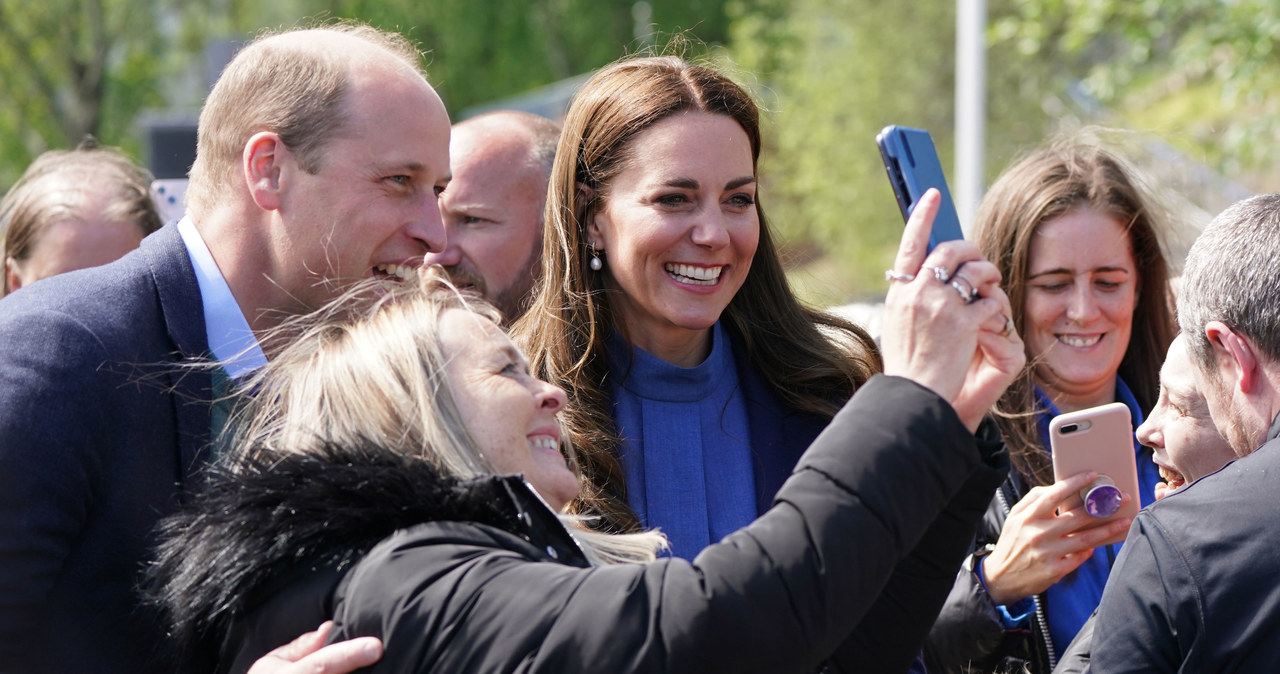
x=1053 y=287
x=399 y=180
x=742 y=200
x=515 y=369
x=672 y=200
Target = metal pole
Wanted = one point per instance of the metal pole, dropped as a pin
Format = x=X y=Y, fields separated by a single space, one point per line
x=971 y=107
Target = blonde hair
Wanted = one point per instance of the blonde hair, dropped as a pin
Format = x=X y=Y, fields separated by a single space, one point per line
x=369 y=368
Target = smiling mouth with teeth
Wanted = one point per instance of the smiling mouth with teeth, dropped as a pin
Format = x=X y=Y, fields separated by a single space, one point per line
x=1079 y=341
x=544 y=442
x=402 y=272
x=698 y=276
x=1173 y=478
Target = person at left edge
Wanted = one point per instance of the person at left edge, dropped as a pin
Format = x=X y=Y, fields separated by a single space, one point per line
x=320 y=159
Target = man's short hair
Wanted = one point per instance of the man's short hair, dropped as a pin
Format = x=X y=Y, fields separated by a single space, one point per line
x=544 y=134
x=285 y=86
x=1232 y=275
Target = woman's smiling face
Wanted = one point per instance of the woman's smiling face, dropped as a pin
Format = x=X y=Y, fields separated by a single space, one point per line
x=511 y=414
x=1078 y=312
x=679 y=229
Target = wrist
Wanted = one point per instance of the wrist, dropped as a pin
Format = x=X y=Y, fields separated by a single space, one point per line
x=992 y=581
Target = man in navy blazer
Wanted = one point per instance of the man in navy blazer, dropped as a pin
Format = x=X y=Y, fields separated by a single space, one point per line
x=320 y=160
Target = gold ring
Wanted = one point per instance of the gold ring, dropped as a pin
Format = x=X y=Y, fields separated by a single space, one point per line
x=1008 y=328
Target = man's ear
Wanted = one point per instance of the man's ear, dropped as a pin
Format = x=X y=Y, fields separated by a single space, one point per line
x=11 y=272
x=264 y=158
x=1235 y=354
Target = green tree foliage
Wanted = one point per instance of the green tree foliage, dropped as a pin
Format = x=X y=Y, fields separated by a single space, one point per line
x=479 y=51
x=833 y=73
x=71 y=68
x=68 y=68
x=1203 y=73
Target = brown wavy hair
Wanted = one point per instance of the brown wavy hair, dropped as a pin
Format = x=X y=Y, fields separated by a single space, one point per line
x=812 y=360
x=1048 y=184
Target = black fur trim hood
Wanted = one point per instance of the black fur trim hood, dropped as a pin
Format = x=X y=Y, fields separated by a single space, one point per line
x=266 y=519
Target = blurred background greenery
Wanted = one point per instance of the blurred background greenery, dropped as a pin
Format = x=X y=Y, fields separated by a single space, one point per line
x=1191 y=84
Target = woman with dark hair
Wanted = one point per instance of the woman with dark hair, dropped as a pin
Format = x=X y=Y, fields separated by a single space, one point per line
x=372 y=484
x=1077 y=241
x=695 y=377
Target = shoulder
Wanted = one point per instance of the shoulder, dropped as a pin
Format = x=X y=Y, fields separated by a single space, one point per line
x=442 y=573
x=118 y=306
x=1223 y=512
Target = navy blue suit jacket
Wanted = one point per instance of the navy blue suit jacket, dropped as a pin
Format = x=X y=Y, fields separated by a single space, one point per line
x=100 y=432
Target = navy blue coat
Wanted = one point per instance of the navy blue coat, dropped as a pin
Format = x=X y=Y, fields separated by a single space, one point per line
x=100 y=432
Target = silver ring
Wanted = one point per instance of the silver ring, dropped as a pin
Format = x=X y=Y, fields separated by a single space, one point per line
x=939 y=273
x=965 y=287
x=895 y=275
x=1008 y=328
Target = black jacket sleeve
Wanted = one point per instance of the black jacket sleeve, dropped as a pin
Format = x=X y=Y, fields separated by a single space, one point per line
x=894 y=629
x=780 y=595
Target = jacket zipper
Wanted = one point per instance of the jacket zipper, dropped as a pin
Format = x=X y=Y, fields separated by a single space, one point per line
x=1042 y=619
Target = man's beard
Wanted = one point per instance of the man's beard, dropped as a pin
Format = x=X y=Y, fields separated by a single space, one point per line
x=1239 y=435
x=512 y=301
x=1231 y=423
x=463 y=277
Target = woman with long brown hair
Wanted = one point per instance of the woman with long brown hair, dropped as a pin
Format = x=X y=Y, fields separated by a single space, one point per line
x=1077 y=240
x=695 y=377
x=73 y=209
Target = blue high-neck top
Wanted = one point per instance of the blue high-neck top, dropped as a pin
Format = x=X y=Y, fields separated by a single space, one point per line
x=686 y=447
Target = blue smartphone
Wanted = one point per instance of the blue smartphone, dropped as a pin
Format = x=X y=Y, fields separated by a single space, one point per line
x=912 y=163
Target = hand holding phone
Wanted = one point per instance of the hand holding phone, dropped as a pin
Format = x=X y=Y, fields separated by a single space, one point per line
x=912 y=164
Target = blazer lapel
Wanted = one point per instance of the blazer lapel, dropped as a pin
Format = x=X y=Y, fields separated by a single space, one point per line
x=183 y=314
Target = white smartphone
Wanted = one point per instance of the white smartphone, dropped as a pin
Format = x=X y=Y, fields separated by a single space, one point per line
x=167 y=193
x=1099 y=439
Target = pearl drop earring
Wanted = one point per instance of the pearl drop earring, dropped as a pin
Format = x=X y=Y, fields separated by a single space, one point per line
x=596 y=263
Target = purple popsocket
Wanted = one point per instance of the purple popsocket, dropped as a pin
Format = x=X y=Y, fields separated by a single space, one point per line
x=1101 y=499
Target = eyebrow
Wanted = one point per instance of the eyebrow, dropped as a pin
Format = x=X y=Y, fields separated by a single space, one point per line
x=409 y=166
x=1072 y=272
x=691 y=184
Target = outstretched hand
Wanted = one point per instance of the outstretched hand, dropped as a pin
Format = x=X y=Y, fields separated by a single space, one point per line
x=965 y=351
x=304 y=655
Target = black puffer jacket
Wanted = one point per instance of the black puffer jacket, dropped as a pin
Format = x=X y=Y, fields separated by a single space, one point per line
x=847 y=570
x=969 y=636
